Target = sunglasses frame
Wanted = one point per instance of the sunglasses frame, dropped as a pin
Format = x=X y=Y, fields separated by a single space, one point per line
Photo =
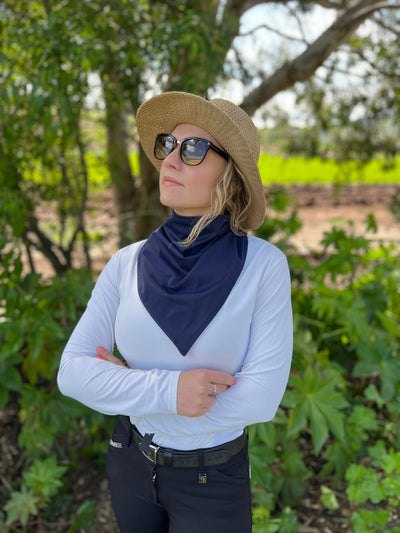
x=208 y=144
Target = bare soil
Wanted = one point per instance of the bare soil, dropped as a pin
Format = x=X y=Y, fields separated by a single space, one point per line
x=318 y=207
x=321 y=207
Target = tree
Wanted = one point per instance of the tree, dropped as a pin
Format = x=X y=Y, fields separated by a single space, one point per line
x=143 y=47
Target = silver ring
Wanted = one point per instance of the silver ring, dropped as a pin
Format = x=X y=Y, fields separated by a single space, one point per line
x=214 y=392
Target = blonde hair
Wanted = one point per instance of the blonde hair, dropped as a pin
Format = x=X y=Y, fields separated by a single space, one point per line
x=232 y=195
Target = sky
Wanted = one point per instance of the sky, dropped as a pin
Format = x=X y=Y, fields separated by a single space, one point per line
x=261 y=44
x=272 y=48
x=265 y=48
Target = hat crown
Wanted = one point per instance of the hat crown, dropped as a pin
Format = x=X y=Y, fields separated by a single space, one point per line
x=243 y=123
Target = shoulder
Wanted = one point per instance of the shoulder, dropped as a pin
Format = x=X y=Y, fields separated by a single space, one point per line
x=127 y=253
x=121 y=260
x=267 y=268
x=264 y=252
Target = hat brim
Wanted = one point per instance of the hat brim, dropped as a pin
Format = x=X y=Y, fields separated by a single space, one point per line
x=162 y=113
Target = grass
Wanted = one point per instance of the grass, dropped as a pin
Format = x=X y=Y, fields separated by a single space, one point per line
x=273 y=170
x=297 y=170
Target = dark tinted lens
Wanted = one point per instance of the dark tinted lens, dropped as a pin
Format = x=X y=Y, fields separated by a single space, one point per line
x=193 y=151
x=163 y=146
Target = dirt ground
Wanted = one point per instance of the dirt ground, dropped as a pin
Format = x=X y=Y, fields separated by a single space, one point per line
x=318 y=208
x=321 y=207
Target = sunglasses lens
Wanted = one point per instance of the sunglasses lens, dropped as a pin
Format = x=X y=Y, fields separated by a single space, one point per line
x=193 y=151
x=163 y=146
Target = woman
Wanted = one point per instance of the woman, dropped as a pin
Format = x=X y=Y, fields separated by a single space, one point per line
x=201 y=313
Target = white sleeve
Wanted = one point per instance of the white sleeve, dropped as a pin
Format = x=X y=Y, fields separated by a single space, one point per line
x=104 y=386
x=262 y=380
x=263 y=377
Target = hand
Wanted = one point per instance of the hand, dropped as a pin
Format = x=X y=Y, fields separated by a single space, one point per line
x=196 y=391
x=102 y=353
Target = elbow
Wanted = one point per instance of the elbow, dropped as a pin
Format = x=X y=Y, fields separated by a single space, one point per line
x=266 y=401
x=62 y=382
x=66 y=380
x=265 y=413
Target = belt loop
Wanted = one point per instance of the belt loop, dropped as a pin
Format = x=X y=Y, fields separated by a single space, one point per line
x=126 y=423
x=202 y=475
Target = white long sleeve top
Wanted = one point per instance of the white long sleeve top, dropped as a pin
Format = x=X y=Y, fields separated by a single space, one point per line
x=250 y=338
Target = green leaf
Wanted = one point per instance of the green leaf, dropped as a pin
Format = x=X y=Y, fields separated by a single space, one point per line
x=4 y=396
x=318 y=425
x=379 y=358
x=366 y=520
x=328 y=498
x=266 y=433
x=317 y=405
x=43 y=477
x=372 y=394
x=83 y=520
x=11 y=378
x=389 y=322
x=21 y=505
x=371 y=224
x=363 y=485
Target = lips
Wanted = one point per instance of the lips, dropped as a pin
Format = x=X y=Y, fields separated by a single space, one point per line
x=171 y=182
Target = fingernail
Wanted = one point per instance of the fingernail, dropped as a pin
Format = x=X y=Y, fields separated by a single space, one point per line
x=102 y=349
x=234 y=381
x=99 y=357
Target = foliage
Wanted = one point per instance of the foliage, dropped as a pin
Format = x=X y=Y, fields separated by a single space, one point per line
x=346 y=301
x=343 y=391
x=35 y=322
x=315 y=403
x=340 y=410
x=377 y=483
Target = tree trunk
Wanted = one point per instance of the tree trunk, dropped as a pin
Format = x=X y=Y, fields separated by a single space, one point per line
x=128 y=192
x=152 y=213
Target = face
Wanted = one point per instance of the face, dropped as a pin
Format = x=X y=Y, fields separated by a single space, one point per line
x=189 y=190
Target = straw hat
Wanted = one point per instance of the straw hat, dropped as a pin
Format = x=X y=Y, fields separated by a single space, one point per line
x=227 y=122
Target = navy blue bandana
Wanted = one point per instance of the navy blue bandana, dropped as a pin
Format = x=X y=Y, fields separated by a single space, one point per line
x=183 y=288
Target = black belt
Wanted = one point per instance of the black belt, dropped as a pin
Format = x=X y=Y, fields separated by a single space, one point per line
x=192 y=458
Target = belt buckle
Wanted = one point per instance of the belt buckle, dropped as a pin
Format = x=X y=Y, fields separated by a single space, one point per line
x=151 y=453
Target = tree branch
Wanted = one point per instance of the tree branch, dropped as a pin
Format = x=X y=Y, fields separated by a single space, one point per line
x=238 y=7
x=328 y=4
x=273 y=30
x=44 y=245
x=303 y=67
x=386 y=27
x=295 y=15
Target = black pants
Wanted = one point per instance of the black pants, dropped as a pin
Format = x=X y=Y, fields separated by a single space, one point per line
x=150 y=498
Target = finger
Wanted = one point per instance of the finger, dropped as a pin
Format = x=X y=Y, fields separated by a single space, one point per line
x=220 y=378
x=221 y=388
x=217 y=389
x=104 y=354
x=214 y=389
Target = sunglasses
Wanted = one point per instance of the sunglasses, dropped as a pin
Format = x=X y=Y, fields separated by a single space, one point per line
x=192 y=150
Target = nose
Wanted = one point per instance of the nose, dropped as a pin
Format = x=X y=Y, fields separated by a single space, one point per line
x=173 y=158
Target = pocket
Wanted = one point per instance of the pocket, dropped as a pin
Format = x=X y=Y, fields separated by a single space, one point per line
x=236 y=469
x=128 y=470
x=120 y=437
